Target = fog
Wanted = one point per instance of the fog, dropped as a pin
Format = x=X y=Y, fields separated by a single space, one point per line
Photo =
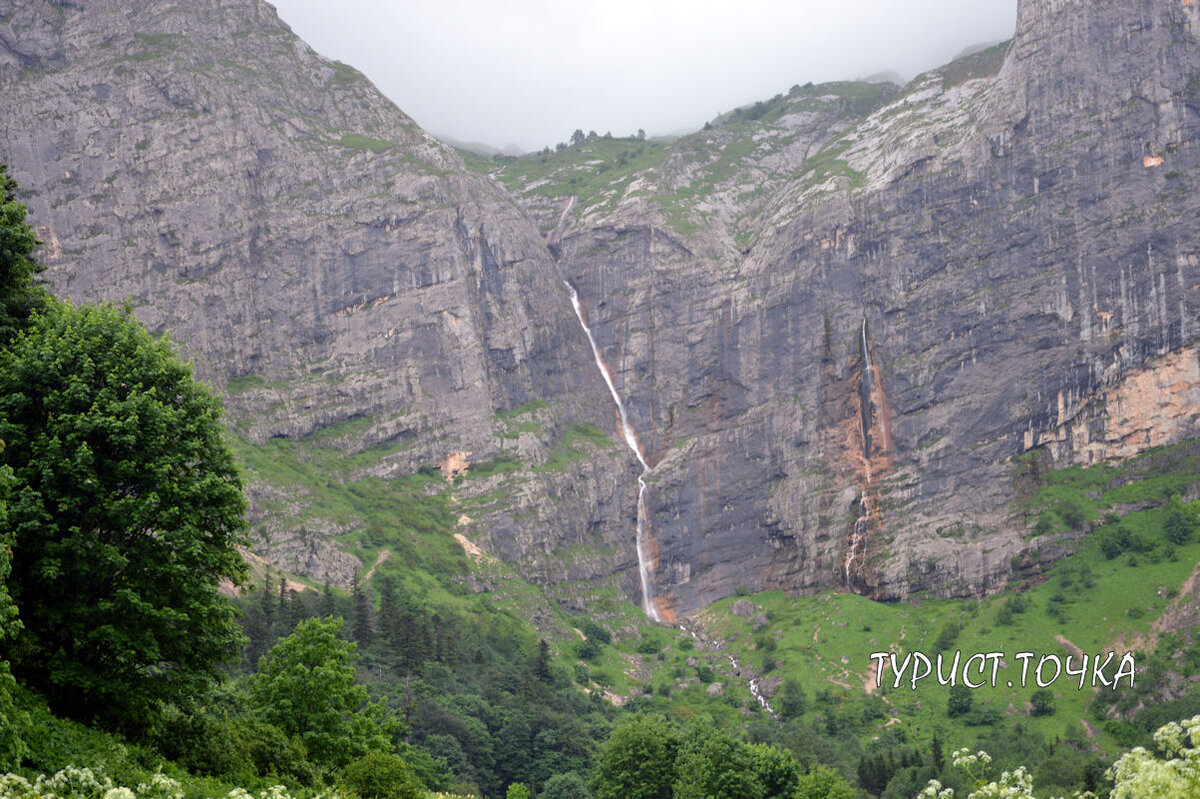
x=529 y=72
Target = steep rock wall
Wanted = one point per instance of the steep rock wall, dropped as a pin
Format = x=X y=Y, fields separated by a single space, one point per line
x=317 y=255
x=1008 y=238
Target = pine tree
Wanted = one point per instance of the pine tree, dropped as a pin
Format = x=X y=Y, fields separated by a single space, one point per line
x=363 y=632
x=20 y=294
x=295 y=611
x=387 y=600
x=284 y=611
x=328 y=607
x=541 y=666
x=268 y=606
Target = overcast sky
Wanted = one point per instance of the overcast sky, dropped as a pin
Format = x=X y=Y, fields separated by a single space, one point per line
x=529 y=72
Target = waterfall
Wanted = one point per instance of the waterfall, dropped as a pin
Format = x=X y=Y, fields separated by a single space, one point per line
x=645 y=574
x=859 y=534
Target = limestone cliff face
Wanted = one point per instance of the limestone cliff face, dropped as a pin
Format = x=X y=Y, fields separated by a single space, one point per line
x=317 y=255
x=1019 y=237
x=864 y=291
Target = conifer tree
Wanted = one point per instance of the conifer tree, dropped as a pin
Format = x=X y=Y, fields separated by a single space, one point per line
x=363 y=632
x=20 y=294
x=541 y=666
x=328 y=607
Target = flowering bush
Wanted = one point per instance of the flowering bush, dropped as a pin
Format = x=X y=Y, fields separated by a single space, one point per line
x=1017 y=784
x=1136 y=775
x=84 y=783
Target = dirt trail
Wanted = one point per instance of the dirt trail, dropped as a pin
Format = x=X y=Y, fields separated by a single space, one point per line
x=1074 y=650
x=260 y=570
x=870 y=682
x=1179 y=613
x=384 y=554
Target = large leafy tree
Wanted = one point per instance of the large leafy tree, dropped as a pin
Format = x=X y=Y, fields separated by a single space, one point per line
x=711 y=765
x=126 y=508
x=305 y=686
x=637 y=761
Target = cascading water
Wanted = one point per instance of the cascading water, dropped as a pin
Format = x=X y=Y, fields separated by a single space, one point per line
x=859 y=534
x=762 y=700
x=737 y=672
x=645 y=574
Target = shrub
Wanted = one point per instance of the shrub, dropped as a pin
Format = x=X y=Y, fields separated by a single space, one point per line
x=1043 y=702
x=960 y=701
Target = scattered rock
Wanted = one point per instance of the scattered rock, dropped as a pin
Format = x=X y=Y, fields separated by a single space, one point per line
x=743 y=608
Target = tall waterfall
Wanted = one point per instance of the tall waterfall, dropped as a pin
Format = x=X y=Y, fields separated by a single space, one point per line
x=859 y=534
x=645 y=573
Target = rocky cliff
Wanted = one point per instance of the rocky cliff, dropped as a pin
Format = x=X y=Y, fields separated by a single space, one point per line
x=319 y=257
x=853 y=302
x=1007 y=240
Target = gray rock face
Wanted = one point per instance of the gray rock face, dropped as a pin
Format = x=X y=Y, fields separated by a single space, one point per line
x=859 y=306
x=1010 y=246
x=317 y=255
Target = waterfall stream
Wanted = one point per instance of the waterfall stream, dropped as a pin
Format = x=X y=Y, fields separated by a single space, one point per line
x=737 y=672
x=645 y=574
x=753 y=683
x=859 y=533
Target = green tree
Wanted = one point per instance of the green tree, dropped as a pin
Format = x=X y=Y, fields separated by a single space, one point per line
x=305 y=686
x=777 y=770
x=714 y=766
x=11 y=745
x=565 y=786
x=541 y=663
x=1072 y=513
x=517 y=791
x=792 y=700
x=327 y=606
x=126 y=510
x=1180 y=525
x=20 y=295
x=364 y=631
x=1042 y=701
x=823 y=783
x=637 y=761
x=382 y=775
